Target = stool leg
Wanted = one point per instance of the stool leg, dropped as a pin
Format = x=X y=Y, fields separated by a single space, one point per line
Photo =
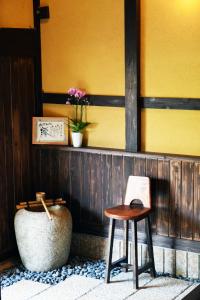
x=135 y=254
x=110 y=249
x=150 y=246
x=125 y=243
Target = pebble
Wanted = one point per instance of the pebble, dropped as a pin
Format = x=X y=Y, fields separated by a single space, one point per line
x=75 y=265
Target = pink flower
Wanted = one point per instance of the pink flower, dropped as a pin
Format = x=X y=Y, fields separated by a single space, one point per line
x=80 y=94
x=72 y=91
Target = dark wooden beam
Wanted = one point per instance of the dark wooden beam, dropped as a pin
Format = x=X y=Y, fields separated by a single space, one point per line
x=170 y=103
x=17 y=42
x=38 y=63
x=95 y=100
x=119 y=101
x=132 y=74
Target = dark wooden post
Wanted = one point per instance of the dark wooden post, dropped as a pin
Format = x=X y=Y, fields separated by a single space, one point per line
x=38 y=64
x=132 y=74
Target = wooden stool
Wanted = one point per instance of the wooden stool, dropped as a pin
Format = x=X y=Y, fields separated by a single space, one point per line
x=137 y=206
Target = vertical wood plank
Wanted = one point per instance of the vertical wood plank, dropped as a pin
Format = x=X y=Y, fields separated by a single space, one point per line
x=140 y=170
x=163 y=198
x=128 y=170
x=36 y=169
x=139 y=166
x=85 y=201
x=196 y=219
x=63 y=189
x=152 y=172
x=23 y=105
x=117 y=180
x=175 y=198
x=187 y=201
x=95 y=189
x=117 y=183
x=7 y=203
x=106 y=163
x=76 y=186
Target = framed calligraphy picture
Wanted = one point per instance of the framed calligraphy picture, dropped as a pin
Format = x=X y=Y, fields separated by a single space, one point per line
x=49 y=130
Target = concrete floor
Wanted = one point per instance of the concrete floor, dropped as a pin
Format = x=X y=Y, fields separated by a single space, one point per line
x=83 y=288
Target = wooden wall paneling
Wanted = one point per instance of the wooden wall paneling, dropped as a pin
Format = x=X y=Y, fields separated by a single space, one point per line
x=106 y=181
x=117 y=183
x=6 y=175
x=76 y=187
x=187 y=200
x=117 y=180
x=9 y=205
x=54 y=176
x=175 y=198
x=17 y=126
x=152 y=172
x=63 y=188
x=140 y=170
x=85 y=201
x=139 y=166
x=3 y=178
x=36 y=170
x=196 y=219
x=23 y=108
x=46 y=172
x=95 y=192
x=162 y=209
x=128 y=170
x=97 y=181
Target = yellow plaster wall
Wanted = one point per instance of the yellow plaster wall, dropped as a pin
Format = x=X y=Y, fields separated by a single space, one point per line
x=106 y=133
x=171 y=131
x=83 y=45
x=170 y=47
x=16 y=13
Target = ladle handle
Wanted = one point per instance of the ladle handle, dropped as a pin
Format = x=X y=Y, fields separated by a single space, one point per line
x=41 y=196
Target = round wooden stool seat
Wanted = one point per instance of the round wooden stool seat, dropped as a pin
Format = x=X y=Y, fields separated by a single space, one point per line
x=125 y=212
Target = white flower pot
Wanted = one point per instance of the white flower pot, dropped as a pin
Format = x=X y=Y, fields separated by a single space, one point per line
x=77 y=138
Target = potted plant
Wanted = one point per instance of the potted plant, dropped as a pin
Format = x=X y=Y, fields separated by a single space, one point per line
x=78 y=99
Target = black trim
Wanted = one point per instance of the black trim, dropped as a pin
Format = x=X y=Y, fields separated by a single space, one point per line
x=95 y=100
x=171 y=103
x=119 y=101
x=17 y=42
x=38 y=63
x=132 y=74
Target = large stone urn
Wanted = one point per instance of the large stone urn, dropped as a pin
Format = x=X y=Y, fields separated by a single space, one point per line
x=43 y=243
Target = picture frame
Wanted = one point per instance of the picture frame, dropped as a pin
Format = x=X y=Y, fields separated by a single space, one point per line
x=50 y=130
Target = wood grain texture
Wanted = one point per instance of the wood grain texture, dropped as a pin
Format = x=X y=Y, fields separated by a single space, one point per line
x=187 y=201
x=97 y=182
x=76 y=186
x=196 y=219
x=106 y=181
x=175 y=198
x=162 y=196
x=152 y=172
x=17 y=107
x=132 y=74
